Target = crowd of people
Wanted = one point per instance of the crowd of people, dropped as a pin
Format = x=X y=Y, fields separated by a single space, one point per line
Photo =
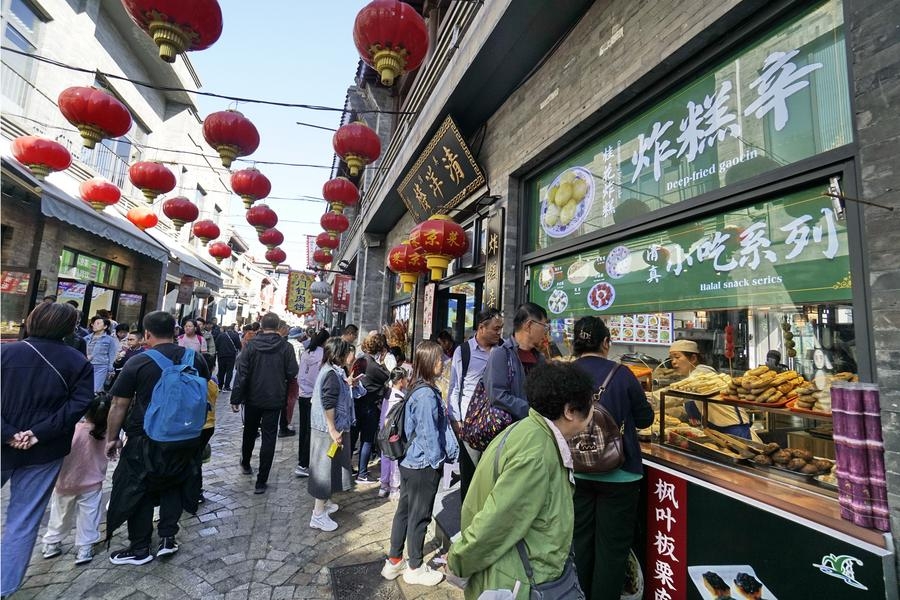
x=75 y=400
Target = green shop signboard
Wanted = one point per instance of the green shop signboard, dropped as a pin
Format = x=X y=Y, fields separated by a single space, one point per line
x=784 y=252
x=779 y=101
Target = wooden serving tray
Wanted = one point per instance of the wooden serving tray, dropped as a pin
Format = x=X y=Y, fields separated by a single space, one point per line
x=797 y=409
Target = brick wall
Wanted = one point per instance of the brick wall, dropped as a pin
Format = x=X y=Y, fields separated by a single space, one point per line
x=874 y=46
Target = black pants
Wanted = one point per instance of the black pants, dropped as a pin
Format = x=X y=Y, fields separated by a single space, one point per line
x=210 y=361
x=605 y=518
x=265 y=419
x=140 y=525
x=283 y=423
x=418 y=487
x=226 y=368
x=466 y=469
x=305 y=405
x=367 y=422
x=205 y=436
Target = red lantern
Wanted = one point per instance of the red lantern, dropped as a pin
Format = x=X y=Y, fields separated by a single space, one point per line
x=250 y=185
x=96 y=114
x=206 y=230
x=357 y=145
x=142 y=217
x=219 y=251
x=441 y=240
x=329 y=240
x=340 y=192
x=408 y=263
x=322 y=256
x=271 y=238
x=152 y=178
x=181 y=211
x=177 y=26
x=230 y=134
x=275 y=256
x=262 y=217
x=333 y=222
x=391 y=37
x=40 y=155
x=99 y=193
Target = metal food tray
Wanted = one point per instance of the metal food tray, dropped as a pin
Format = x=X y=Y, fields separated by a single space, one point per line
x=695 y=446
x=693 y=395
x=795 y=474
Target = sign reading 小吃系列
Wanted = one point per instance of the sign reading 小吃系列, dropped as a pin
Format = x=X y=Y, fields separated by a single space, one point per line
x=493 y=254
x=444 y=175
x=298 y=299
x=781 y=100
x=791 y=250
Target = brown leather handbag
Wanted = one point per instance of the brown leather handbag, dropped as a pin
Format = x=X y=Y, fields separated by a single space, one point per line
x=599 y=448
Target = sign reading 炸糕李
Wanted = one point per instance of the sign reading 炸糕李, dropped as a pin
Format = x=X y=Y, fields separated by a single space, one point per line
x=792 y=250
x=783 y=99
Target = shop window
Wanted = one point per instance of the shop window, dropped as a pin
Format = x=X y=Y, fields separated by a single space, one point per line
x=76 y=265
x=13 y=301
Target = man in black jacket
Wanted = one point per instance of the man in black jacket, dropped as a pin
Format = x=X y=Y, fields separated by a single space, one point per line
x=263 y=370
x=228 y=344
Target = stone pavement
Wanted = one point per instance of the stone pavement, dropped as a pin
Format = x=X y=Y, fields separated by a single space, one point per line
x=239 y=545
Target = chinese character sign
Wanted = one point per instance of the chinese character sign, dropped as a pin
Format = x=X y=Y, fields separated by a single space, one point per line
x=752 y=113
x=298 y=299
x=444 y=175
x=310 y=250
x=340 y=293
x=665 y=575
x=493 y=260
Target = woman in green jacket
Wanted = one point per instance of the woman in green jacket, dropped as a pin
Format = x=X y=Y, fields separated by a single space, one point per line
x=531 y=498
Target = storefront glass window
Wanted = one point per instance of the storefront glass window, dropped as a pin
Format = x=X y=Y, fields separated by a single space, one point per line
x=13 y=301
x=783 y=99
x=129 y=309
x=74 y=265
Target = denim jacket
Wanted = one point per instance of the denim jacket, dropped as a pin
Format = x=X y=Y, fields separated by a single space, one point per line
x=428 y=429
x=344 y=415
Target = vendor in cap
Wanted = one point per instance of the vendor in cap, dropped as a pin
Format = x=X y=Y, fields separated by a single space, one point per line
x=685 y=358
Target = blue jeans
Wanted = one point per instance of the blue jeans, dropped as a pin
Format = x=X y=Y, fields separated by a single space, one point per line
x=29 y=493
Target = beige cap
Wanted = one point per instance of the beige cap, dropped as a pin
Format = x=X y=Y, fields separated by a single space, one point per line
x=684 y=346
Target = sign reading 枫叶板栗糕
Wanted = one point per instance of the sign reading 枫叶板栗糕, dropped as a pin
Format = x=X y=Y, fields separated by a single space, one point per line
x=781 y=100
x=788 y=251
x=444 y=175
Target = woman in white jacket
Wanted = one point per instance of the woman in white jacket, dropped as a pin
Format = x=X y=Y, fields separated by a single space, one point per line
x=310 y=365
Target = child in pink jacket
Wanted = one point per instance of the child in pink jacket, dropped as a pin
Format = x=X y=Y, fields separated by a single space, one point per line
x=78 y=493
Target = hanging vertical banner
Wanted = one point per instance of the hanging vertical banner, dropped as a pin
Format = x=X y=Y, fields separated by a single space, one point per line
x=298 y=299
x=666 y=559
x=493 y=260
x=428 y=311
x=310 y=250
x=340 y=293
x=185 y=290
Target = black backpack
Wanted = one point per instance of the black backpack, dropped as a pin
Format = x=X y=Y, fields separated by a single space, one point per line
x=392 y=439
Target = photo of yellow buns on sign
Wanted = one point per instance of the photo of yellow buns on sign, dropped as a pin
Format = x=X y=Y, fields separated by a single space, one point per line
x=567 y=202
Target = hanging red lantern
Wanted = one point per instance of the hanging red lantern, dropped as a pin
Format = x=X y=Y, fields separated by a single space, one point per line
x=391 y=37
x=152 y=178
x=206 y=230
x=95 y=113
x=250 y=185
x=329 y=240
x=322 y=256
x=231 y=134
x=40 y=155
x=180 y=210
x=333 y=222
x=142 y=217
x=177 y=26
x=340 y=192
x=357 y=145
x=441 y=240
x=99 y=193
x=275 y=256
x=262 y=217
x=408 y=263
x=271 y=238
x=219 y=251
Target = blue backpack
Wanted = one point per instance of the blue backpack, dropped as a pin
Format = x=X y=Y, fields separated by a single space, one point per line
x=178 y=405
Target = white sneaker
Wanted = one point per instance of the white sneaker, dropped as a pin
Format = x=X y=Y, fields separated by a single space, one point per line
x=422 y=576
x=84 y=554
x=331 y=507
x=392 y=571
x=51 y=550
x=301 y=471
x=323 y=522
x=382 y=493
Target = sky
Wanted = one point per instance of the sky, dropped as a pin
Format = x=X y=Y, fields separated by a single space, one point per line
x=290 y=51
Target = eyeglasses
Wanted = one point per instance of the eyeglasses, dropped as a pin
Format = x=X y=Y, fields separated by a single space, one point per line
x=546 y=326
